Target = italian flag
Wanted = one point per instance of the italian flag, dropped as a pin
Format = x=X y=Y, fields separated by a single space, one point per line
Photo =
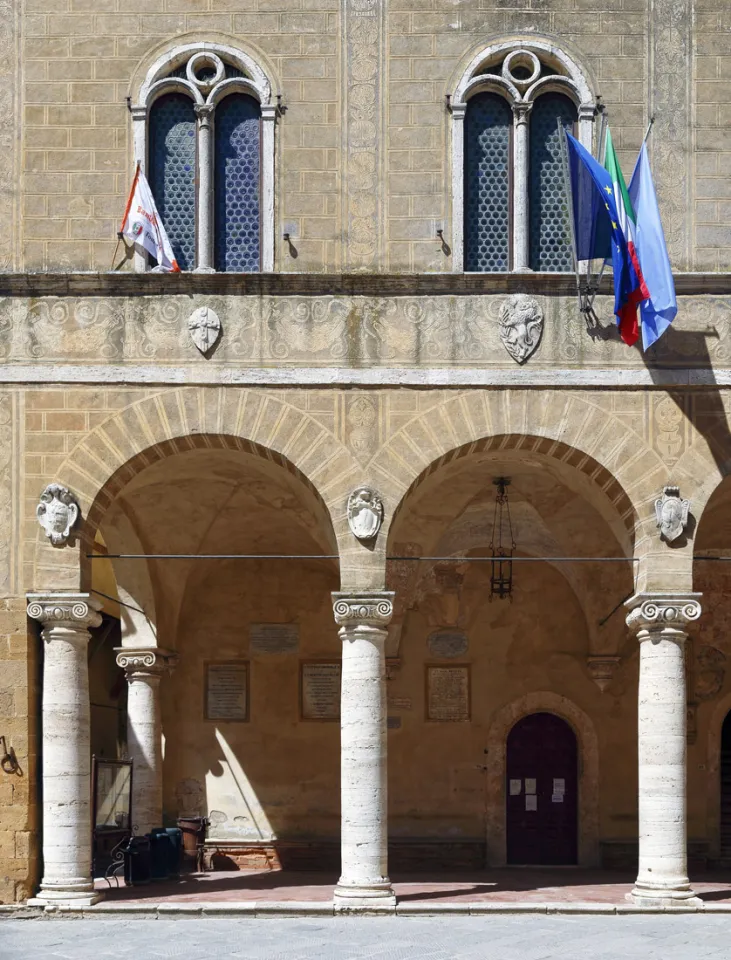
x=628 y=325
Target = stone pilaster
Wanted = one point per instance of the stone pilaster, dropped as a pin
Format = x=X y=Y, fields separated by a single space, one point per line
x=66 y=761
x=363 y=620
x=660 y=621
x=144 y=668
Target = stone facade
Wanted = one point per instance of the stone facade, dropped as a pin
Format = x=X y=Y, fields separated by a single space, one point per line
x=362 y=361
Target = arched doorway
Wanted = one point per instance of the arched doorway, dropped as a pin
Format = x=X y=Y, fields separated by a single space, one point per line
x=725 y=826
x=541 y=792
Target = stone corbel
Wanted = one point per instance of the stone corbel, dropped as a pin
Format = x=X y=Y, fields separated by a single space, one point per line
x=602 y=669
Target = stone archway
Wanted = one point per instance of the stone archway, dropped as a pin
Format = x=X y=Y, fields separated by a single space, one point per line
x=504 y=720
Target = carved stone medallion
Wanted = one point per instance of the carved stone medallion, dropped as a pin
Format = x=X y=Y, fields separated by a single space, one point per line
x=521 y=326
x=57 y=512
x=365 y=513
x=204 y=327
x=671 y=513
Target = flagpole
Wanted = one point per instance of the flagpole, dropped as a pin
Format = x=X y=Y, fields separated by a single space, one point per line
x=570 y=197
x=592 y=286
x=648 y=131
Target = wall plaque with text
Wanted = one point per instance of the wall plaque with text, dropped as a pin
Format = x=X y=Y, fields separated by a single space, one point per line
x=320 y=690
x=274 y=638
x=448 y=693
x=227 y=691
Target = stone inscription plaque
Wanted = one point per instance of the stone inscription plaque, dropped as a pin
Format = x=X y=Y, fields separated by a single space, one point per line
x=274 y=638
x=447 y=644
x=320 y=690
x=448 y=693
x=227 y=691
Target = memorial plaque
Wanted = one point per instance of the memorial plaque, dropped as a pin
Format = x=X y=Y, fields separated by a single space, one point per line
x=447 y=644
x=227 y=691
x=448 y=693
x=320 y=690
x=274 y=638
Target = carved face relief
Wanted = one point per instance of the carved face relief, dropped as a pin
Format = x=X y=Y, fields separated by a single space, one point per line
x=57 y=513
x=671 y=513
x=365 y=513
x=204 y=327
x=521 y=326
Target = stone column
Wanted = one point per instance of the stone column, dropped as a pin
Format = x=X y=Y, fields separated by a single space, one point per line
x=204 y=264
x=521 y=194
x=363 y=620
x=144 y=669
x=660 y=622
x=65 y=758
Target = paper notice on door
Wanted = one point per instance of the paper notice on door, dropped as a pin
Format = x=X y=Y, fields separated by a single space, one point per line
x=557 y=798
x=531 y=801
x=559 y=785
x=515 y=786
x=530 y=785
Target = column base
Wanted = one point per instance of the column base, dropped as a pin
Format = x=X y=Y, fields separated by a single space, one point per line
x=76 y=893
x=660 y=896
x=378 y=895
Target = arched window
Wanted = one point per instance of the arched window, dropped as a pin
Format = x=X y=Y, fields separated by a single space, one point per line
x=237 y=183
x=550 y=236
x=172 y=172
x=204 y=135
x=488 y=123
x=509 y=204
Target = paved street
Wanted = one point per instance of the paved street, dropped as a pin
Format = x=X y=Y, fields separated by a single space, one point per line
x=477 y=938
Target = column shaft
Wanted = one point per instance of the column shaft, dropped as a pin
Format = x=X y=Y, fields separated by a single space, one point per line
x=663 y=872
x=364 y=793
x=204 y=112
x=66 y=761
x=521 y=194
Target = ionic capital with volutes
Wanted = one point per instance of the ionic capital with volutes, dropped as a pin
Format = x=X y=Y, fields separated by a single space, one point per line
x=651 y=614
x=141 y=663
x=363 y=609
x=71 y=610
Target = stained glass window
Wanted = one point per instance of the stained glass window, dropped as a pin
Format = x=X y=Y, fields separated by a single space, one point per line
x=488 y=122
x=550 y=237
x=237 y=178
x=172 y=172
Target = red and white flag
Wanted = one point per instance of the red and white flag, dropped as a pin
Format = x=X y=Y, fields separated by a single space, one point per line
x=142 y=224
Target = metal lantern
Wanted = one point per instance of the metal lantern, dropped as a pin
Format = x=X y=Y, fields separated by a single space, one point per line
x=502 y=543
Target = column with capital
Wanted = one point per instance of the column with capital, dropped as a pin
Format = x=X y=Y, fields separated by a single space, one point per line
x=65 y=757
x=521 y=194
x=204 y=112
x=660 y=621
x=144 y=668
x=363 y=620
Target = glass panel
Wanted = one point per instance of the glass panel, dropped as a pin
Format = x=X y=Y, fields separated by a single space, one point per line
x=172 y=172
x=488 y=122
x=238 y=133
x=113 y=786
x=550 y=236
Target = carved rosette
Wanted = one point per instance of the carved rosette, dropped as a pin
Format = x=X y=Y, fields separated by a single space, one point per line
x=145 y=662
x=69 y=610
x=363 y=609
x=652 y=613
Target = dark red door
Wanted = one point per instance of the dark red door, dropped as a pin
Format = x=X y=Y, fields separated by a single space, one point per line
x=541 y=791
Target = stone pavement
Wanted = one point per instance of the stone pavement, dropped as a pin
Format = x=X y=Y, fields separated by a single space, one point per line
x=558 y=885
x=688 y=937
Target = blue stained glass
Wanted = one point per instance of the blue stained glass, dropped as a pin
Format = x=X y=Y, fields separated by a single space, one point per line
x=550 y=233
x=237 y=184
x=488 y=122
x=172 y=172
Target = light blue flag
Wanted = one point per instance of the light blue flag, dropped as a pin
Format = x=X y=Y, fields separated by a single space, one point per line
x=657 y=313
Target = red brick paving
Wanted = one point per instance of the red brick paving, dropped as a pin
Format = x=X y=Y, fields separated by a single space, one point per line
x=568 y=885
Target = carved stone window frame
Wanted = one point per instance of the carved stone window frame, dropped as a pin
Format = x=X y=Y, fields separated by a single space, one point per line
x=205 y=97
x=570 y=80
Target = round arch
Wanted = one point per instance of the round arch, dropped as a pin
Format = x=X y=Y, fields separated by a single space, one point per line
x=174 y=421
x=503 y=721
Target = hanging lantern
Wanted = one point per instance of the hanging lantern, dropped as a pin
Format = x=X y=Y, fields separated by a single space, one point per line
x=502 y=543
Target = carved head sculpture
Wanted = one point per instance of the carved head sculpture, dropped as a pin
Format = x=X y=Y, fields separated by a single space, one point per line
x=671 y=513
x=57 y=513
x=365 y=513
x=521 y=326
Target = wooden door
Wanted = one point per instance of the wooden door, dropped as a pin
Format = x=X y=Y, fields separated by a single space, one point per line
x=541 y=791
x=726 y=789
